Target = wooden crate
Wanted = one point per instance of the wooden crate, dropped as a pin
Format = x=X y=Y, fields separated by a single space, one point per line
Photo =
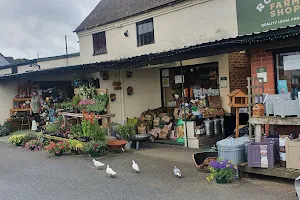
x=292 y=154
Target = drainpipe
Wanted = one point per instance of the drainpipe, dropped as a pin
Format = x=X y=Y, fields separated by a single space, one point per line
x=122 y=98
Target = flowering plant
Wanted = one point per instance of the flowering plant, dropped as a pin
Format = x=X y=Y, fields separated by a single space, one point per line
x=33 y=145
x=93 y=147
x=17 y=139
x=58 y=147
x=222 y=169
x=86 y=102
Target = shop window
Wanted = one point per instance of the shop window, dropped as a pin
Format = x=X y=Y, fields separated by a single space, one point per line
x=198 y=80
x=145 y=32
x=288 y=73
x=99 y=43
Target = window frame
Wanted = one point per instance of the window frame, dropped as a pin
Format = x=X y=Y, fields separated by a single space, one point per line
x=149 y=35
x=101 y=37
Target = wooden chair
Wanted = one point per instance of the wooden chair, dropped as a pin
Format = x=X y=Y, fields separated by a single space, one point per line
x=24 y=123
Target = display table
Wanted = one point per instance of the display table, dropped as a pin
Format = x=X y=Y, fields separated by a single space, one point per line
x=275 y=120
x=259 y=121
x=80 y=115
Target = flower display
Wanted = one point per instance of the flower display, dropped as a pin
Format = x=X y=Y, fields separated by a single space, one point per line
x=222 y=170
x=86 y=102
x=33 y=145
x=58 y=147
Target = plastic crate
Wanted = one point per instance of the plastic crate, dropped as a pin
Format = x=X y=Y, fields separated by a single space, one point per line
x=254 y=154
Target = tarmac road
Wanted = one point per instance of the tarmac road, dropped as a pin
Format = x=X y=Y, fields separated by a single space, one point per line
x=36 y=175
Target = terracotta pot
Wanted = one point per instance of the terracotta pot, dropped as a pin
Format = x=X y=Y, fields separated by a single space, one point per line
x=116 y=144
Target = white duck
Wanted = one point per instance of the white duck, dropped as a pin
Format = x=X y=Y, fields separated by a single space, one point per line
x=177 y=172
x=98 y=164
x=110 y=171
x=135 y=167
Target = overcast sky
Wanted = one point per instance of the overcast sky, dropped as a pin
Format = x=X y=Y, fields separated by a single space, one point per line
x=23 y=36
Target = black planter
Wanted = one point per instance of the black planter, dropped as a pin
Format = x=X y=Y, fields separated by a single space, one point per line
x=75 y=152
x=83 y=139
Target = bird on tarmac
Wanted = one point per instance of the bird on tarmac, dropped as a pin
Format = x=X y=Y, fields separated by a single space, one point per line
x=177 y=172
x=135 y=167
x=98 y=164
x=110 y=172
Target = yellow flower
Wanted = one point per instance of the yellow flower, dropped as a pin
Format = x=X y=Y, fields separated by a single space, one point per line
x=234 y=167
x=221 y=163
x=207 y=178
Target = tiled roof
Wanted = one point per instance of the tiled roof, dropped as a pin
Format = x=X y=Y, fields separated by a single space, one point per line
x=108 y=11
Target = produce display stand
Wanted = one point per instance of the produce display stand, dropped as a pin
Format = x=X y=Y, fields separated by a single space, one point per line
x=79 y=116
x=255 y=94
x=277 y=171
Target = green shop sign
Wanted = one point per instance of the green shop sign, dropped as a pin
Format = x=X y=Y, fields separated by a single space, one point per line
x=262 y=15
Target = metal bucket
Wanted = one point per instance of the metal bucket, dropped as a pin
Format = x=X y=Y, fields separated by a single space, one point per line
x=222 y=125
x=217 y=126
x=209 y=127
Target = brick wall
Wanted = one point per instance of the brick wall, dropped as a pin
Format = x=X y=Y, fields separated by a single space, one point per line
x=239 y=70
x=261 y=58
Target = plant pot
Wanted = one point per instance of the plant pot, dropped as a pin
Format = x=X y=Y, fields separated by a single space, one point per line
x=95 y=154
x=18 y=144
x=221 y=180
x=59 y=154
x=82 y=139
x=128 y=145
x=74 y=152
x=31 y=148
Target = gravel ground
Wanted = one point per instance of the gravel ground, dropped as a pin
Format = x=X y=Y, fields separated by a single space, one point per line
x=39 y=175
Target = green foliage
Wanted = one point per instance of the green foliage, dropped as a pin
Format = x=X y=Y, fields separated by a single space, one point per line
x=5 y=129
x=99 y=134
x=222 y=169
x=133 y=121
x=101 y=101
x=85 y=126
x=126 y=131
x=66 y=105
x=87 y=92
x=16 y=139
x=76 y=99
x=75 y=145
x=53 y=128
x=92 y=146
x=76 y=131
x=58 y=147
x=28 y=137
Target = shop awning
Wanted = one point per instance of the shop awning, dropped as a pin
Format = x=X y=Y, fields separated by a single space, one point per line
x=195 y=51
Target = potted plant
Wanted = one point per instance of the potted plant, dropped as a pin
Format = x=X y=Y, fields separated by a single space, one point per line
x=222 y=170
x=126 y=131
x=58 y=148
x=94 y=148
x=34 y=145
x=17 y=139
x=52 y=129
x=75 y=131
x=75 y=146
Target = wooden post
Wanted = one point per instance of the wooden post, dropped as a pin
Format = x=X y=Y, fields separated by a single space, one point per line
x=237 y=122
